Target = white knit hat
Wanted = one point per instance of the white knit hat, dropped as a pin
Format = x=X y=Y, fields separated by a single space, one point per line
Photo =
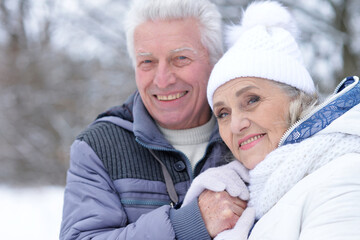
x=263 y=46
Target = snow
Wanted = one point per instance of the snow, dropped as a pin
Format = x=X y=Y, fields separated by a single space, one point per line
x=30 y=213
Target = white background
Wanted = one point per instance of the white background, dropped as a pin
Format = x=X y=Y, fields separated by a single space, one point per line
x=30 y=213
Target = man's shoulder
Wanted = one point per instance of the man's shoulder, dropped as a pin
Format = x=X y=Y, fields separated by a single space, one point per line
x=113 y=121
x=110 y=127
x=103 y=132
x=114 y=146
x=124 y=111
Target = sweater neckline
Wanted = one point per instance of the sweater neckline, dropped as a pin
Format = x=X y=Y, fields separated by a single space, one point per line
x=195 y=135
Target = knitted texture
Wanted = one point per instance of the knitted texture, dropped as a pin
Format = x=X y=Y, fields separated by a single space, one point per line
x=265 y=47
x=123 y=157
x=284 y=167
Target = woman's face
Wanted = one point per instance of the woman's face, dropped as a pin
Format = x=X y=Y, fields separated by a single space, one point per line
x=253 y=115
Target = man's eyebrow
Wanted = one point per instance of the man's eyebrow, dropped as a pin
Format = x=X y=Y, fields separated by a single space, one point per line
x=241 y=91
x=184 y=49
x=141 y=54
x=146 y=54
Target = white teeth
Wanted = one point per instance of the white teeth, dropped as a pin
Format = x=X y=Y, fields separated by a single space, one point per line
x=251 y=140
x=170 y=97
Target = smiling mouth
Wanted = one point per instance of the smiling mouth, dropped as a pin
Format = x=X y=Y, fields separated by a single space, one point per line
x=170 y=97
x=251 y=139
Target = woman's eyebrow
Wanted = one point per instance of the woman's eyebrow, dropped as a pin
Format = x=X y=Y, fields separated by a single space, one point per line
x=237 y=94
x=245 y=89
x=218 y=104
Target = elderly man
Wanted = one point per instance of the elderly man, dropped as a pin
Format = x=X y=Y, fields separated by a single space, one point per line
x=130 y=169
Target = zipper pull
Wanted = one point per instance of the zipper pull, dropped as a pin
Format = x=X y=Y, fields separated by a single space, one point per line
x=175 y=205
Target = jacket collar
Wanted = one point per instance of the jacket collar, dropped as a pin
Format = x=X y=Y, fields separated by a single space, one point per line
x=345 y=97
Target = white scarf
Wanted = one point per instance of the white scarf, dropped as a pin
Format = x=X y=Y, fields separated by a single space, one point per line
x=287 y=165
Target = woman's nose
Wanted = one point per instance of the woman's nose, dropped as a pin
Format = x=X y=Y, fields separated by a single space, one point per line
x=239 y=122
x=164 y=75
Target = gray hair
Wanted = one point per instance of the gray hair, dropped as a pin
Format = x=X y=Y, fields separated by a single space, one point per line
x=204 y=11
x=301 y=103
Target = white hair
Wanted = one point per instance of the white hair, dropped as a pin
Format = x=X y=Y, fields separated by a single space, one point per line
x=301 y=103
x=205 y=12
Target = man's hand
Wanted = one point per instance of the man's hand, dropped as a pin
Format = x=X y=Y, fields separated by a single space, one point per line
x=220 y=211
x=241 y=229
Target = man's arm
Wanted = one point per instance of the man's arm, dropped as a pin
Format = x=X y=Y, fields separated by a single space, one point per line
x=92 y=207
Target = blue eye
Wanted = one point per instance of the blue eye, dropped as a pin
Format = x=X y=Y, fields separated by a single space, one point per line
x=221 y=115
x=146 y=64
x=253 y=99
x=181 y=61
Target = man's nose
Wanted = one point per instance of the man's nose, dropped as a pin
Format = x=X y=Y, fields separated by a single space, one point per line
x=164 y=75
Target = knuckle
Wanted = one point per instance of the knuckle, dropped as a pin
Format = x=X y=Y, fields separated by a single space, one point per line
x=227 y=213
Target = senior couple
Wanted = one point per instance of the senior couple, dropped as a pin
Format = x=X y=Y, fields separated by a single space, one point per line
x=264 y=161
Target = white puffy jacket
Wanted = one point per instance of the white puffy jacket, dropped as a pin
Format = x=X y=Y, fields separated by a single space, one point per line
x=326 y=203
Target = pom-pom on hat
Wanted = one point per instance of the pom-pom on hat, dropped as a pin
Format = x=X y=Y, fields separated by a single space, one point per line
x=262 y=46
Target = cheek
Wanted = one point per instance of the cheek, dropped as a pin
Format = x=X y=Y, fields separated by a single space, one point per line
x=198 y=82
x=226 y=136
x=279 y=128
x=201 y=77
x=143 y=79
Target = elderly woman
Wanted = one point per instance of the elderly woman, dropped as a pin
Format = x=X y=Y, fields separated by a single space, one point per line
x=303 y=158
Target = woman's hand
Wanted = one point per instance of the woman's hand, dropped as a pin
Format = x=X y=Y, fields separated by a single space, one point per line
x=230 y=177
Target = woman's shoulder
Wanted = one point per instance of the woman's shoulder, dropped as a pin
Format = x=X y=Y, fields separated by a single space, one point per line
x=338 y=179
x=333 y=199
x=330 y=186
x=319 y=206
x=341 y=168
x=339 y=172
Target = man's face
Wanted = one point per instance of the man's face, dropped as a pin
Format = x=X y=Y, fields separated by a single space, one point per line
x=172 y=71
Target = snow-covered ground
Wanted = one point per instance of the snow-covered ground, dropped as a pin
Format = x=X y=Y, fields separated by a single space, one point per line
x=30 y=213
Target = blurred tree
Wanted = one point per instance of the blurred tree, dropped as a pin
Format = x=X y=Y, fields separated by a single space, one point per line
x=345 y=13
x=64 y=62
x=329 y=36
x=48 y=94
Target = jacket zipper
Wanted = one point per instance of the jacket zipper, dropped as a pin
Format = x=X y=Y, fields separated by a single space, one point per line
x=131 y=202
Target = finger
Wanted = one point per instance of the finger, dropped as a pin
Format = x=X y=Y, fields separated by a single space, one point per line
x=229 y=218
x=240 y=169
x=240 y=203
x=226 y=197
x=237 y=210
x=245 y=194
x=242 y=227
x=247 y=219
x=238 y=189
x=215 y=186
